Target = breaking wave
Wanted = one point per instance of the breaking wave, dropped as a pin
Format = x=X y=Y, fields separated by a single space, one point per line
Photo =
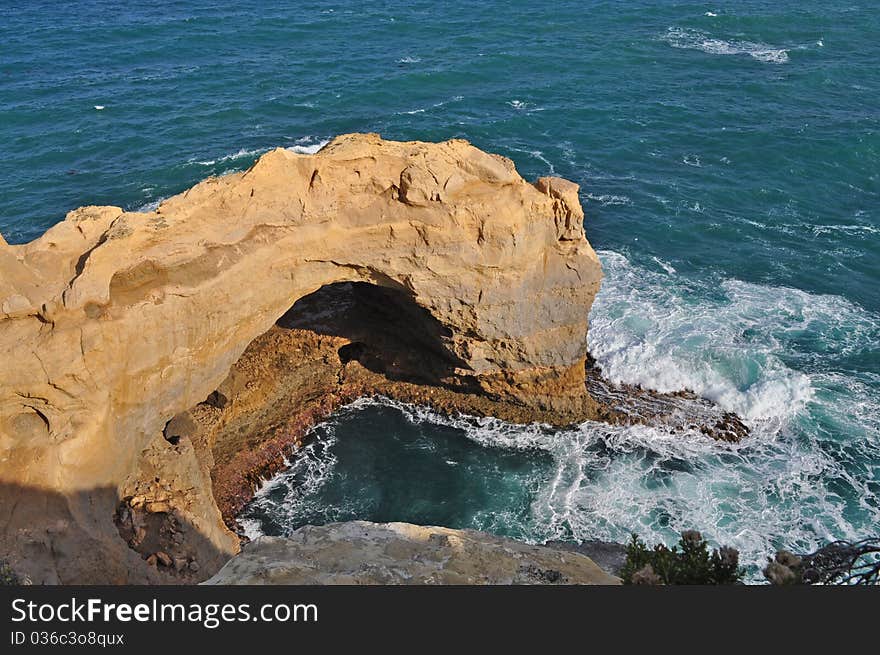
x=692 y=39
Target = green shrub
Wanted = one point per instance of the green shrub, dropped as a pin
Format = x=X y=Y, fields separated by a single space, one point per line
x=7 y=575
x=689 y=562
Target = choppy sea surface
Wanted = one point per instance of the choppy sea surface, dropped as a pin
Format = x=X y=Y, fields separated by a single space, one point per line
x=728 y=156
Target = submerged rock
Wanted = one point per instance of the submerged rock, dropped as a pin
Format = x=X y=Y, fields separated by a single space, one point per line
x=360 y=552
x=677 y=412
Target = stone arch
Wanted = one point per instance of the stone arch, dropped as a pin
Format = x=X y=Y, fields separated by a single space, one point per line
x=122 y=320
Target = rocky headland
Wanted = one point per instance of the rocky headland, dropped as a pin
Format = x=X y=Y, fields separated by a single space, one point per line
x=157 y=366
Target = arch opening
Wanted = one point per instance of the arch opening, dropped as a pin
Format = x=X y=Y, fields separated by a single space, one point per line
x=341 y=342
x=387 y=331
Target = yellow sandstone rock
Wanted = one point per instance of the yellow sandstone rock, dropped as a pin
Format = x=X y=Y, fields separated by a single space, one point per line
x=113 y=322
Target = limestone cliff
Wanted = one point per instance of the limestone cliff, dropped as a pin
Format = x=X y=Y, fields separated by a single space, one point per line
x=112 y=323
x=359 y=552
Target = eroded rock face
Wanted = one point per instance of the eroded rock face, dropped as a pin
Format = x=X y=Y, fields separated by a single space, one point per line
x=112 y=323
x=359 y=552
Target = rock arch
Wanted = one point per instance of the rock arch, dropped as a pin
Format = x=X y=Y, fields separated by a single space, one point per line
x=113 y=322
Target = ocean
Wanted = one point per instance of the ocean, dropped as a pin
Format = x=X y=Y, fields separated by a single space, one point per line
x=728 y=156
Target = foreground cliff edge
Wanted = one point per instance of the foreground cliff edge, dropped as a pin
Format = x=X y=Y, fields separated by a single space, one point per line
x=360 y=552
x=150 y=379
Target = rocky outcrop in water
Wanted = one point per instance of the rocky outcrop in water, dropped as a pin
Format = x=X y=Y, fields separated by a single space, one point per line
x=114 y=322
x=359 y=552
x=158 y=365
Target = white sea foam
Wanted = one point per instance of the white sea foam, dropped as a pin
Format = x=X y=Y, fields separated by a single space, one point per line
x=756 y=498
x=664 y=265
x=527 y=107
x=721 y=340
x=537 y=154
x=304 y=474
x=307 y=145
x=251 y=528
x=606 y=481
x=846 y=229
x=304 y=147
x=808 y=474
x=234 y=156
x=436 y=105
x=149 y=207
x=692 y=39
x=608 y=199
x=409 y=60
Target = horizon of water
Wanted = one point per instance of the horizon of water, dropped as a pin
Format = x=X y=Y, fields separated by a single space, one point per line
x=728 y=157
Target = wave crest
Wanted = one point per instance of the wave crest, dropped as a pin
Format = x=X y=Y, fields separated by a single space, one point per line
x=731 y=342
x=691 y=39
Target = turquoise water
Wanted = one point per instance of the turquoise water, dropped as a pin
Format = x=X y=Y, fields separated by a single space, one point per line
x=728 y=156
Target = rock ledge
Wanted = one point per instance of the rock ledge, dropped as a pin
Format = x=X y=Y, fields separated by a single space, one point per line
x=360 y=552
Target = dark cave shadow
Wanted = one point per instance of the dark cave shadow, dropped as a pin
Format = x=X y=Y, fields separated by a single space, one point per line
x=390 y=334
x=50 y=538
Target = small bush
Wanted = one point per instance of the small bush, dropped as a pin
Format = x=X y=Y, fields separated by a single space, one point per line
x=688 y=563
x=7 y=575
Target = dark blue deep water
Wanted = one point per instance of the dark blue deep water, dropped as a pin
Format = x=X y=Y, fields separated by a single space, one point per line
x=728 y=156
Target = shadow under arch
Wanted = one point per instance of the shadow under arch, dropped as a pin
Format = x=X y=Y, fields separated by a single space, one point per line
x=390 y=333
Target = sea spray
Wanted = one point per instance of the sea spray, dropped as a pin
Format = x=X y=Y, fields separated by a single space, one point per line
x=800 y=479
